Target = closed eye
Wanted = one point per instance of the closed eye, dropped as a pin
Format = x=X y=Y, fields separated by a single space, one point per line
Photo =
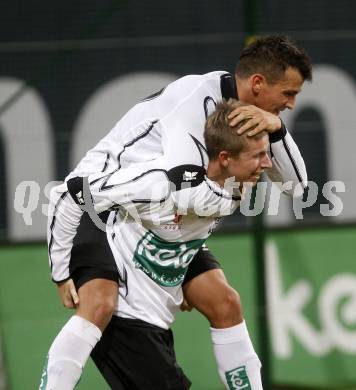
x=290 y=93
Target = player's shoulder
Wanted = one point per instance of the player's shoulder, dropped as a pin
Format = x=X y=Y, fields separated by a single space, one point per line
x=215 y=74
x=201 y=79
x=196 y=86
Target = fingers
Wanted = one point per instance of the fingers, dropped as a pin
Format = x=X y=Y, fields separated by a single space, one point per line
x=259 y=127
x=256 y=120
x=240 y=114
x=249 y=125
x=68 y=294
x=67 y=302
x=240 y=110
x=74 y=295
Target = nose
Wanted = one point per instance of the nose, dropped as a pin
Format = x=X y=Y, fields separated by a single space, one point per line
x=291 y=103
x=266 y=162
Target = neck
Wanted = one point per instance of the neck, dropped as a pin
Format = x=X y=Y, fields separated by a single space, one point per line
x=215 y=173
x=244 y=91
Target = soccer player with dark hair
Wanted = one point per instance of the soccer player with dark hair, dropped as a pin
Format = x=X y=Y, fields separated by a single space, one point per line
x=167 y=128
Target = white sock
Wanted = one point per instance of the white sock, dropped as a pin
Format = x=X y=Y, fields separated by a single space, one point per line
x=237 y=361
x=68 y=354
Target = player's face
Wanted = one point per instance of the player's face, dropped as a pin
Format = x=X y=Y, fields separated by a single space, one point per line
x=280 y=95
x=251 y=161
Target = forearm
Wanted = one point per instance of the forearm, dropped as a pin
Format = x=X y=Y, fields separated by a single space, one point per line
x=207 y=199
x=63 y=220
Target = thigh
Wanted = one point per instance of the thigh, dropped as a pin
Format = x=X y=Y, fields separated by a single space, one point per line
x=202 y=262
x=135 y=355
x=211 y=294
x=98 y=290
x=94 y=272
x=206 y=290
x=97 y=301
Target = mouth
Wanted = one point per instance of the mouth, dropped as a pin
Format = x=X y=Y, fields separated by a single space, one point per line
x=257 y=176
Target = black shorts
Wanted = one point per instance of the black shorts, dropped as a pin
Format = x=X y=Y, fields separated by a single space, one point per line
x=135 y=355
x=91 y=256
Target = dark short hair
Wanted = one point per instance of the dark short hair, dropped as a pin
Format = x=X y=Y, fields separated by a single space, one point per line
x=219 y=135
x=271 y=55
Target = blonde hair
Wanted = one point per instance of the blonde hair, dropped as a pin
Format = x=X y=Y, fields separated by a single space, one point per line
x=219 y=135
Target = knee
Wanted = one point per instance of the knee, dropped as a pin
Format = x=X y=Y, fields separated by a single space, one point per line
x=97 y=305
x=226 y=311
x=99 y=311
x=230 y=303
x=103 y=306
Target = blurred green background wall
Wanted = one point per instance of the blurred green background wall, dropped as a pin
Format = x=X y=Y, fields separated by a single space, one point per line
x=311 y=296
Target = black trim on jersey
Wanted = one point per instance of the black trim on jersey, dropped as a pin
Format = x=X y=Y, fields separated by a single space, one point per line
x=270 y=150
x=233 y=197
x=104 y=187
x=106 y=162
x=113 y=222
x=228 y=86
x=296 y=170
x=75 y=187
x=116 y=206
x=186 y=176
x=201 y=149
x=60 y=281
x=153 y=96
x=149 y=200
x=123 y=280
x=207 y=99
x=102 y=177
x=278 y=135
x=142 y=135
x=52 y=228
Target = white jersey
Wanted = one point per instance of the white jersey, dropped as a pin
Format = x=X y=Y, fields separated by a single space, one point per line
x=161 y=219
x=163 y=132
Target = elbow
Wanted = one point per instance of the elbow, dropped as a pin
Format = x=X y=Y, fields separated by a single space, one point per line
x=299 y=189
x=294 y=189
x=56 y=192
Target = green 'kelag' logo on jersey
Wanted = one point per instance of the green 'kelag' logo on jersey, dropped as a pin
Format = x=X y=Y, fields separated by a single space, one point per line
x=237 y=379
x=163 y=261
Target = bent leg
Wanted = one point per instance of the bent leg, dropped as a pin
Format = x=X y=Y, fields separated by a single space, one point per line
x=210 y=293
x=97 y=301
x=72 y=347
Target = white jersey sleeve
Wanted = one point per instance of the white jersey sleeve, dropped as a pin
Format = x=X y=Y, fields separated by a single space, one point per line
x=63 y=220
x=194 y=193
x=288 y=168
x=140 y=191
x=142 y=188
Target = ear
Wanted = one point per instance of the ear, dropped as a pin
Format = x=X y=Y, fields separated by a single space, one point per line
x=223 y=158
x=257 y=82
